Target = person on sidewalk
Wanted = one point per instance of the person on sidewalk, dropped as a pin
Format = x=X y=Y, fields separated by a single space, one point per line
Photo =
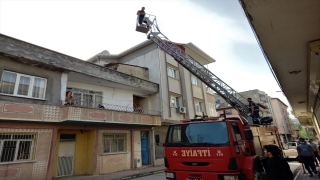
x=278 y=168
x=306 y=155
x=315 y=152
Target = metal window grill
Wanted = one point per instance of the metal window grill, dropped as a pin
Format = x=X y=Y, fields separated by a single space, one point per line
x=16 y=147
x=67 y=137
x=114 y=143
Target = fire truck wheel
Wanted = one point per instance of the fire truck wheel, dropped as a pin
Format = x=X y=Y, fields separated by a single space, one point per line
x=257 y=175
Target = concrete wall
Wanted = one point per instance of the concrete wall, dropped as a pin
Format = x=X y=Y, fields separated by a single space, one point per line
x=281 y=116
x=187 y=92
x=174 y=85
x=110 y=95
x=52 y=96
x=136 y=71
x=197 y=92
x=146 y=57
x=38 y=56
x=137 y=149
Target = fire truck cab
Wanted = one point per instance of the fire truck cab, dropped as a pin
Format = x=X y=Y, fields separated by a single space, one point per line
x=216 y=149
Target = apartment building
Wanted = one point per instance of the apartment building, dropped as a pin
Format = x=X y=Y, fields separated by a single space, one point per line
x=41 y=137
x=282 y=120
x=257 y=96
x=224 y=109
x=181 y=95
x=271 y=107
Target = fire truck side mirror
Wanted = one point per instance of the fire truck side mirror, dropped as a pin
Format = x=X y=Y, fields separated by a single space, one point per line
x=157 y=137
x=248 y=134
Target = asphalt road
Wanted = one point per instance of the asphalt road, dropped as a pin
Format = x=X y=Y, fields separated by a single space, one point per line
x=160 y=176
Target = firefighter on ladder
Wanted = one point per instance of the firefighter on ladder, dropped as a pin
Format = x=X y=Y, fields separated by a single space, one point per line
x=253 y=108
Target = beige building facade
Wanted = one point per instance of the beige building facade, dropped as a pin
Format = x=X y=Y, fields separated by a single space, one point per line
x=271 y=107
x=181 y=95
x=282 y=120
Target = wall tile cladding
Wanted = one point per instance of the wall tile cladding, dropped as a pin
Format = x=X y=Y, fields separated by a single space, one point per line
x=107 y=163
x=137 y=148
x=30 y=170
x=46 y=113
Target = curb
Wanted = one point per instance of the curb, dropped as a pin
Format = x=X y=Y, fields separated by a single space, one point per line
x=296 y=172
x=139 y=175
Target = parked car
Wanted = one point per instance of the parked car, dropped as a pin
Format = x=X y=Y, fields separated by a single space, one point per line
x=290 y=149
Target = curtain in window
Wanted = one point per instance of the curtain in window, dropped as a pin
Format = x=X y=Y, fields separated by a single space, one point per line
x=8 y=82
x=24 y=83
x=39 y=88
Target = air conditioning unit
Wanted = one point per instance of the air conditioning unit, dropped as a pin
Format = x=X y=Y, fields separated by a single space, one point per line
x=181 y=110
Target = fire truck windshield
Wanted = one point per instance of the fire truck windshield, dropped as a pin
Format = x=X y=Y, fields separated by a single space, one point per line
x=198 y=134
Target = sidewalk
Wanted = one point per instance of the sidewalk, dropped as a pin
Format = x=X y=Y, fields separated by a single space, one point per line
x=305 y=176
x=295 y=168
x=122 y=175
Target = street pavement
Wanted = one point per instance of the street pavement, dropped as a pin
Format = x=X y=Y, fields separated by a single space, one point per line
x=294 y=166
x=154 y=173
x=160 y=176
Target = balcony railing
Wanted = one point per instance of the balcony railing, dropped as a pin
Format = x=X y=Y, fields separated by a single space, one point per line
x=89 y=112
x=91 y=104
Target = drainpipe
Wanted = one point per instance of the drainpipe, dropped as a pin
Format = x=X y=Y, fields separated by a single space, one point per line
x=132 y=149
x=160 y=89
x=153 y=147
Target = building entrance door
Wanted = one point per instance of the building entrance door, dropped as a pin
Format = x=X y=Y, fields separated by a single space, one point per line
x=145 y=150
x=66 y=154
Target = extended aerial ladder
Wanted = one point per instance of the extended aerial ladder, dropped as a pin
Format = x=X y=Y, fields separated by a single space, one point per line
x=212 y=81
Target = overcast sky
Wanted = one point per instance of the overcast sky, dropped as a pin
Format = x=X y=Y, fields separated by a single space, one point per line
x=83 y=28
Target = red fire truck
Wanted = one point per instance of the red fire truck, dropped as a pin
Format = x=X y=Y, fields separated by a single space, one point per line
x=216 y=149
x=212 y=148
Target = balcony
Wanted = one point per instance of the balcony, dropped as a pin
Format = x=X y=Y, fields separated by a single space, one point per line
x=107 y=113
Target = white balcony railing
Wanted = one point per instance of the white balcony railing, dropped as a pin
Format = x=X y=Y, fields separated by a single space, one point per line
x=91 y=104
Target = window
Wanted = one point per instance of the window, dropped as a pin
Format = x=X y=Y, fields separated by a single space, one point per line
x=174 y=101
x=16 y=147
x=67 y=137
x=198 y=134
x=87 y=98
x=113 y=143
x=198 y=106
x=236 y=135
x=209 y=90
x=22 y=85
x=171 y=72
x=212 y=109
x=195 y=81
